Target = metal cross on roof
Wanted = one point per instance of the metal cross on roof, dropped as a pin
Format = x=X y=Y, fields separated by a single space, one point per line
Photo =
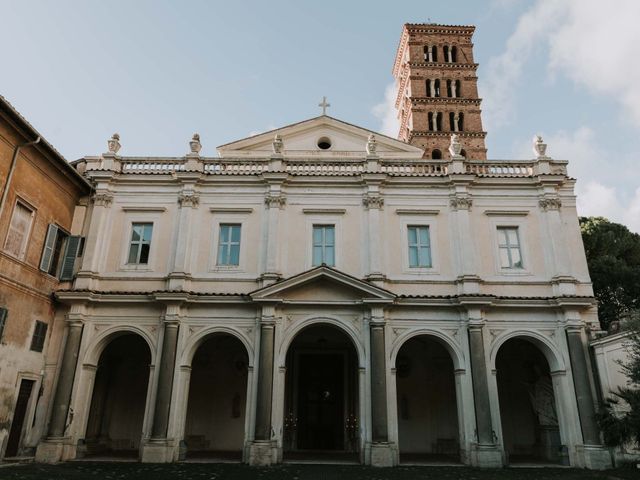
x=324 y=105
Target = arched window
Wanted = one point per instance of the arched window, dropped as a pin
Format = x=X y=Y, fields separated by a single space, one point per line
x=445 y=52
x=452 y=122
x=454 y=54
x=430 y=53
x=434 y=54
x=438 y=121
x=461 y=122
x=449 y=88
x=427 y=48
x=458 y=89
x=436 y=154
x=430 y=121
x=436 y=88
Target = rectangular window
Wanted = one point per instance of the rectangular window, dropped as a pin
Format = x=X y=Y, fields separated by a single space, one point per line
x=324 y=245
x=419 y=247
x=39 y=336
x=229 y=245
x=17 y=236
x=3 y=320
x=55 y=247
x=509 y=247
x=140 y=243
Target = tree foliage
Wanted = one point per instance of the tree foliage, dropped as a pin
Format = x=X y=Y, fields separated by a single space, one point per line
x=613 y=256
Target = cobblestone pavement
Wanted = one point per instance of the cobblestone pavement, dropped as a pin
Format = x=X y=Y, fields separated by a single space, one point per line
x=209 y=471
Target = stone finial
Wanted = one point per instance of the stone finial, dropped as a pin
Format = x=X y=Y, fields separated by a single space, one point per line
x=539 y=147
x=372 y=145
x=455 y=147
x=113 y=144
x=195 y=144
x=278 y=144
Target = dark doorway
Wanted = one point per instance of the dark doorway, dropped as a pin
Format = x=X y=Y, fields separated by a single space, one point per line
x=530 y=428
x=19 y=413
x=321 y=402
x=116 y=416
x=321 y=396
x=427 y=404
x=215 y=422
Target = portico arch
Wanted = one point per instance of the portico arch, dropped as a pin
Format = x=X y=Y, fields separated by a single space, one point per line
x=216 y=368
x=121 y=365
x=529 y=374
x=322 y=382
x=428 y=393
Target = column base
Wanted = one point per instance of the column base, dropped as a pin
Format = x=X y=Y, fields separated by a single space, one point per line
x=382 y=455
x=595 y=457
x=263 y=453
x=55 y=449
x=157 y=450
x=486 y=456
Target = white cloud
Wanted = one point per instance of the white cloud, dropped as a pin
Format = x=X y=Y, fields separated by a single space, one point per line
x=598 y=187
x=590 y=42
x=386 y=112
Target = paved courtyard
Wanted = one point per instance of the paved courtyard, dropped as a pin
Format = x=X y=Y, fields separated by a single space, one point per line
x=209 y=471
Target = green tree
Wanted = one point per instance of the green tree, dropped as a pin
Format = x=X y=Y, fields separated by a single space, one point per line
x=613 y=256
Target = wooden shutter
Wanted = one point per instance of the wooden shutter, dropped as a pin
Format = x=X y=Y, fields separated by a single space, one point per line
x=49 y=244
x=69 y=260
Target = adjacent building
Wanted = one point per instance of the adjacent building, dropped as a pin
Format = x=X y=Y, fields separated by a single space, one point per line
x=39 y=215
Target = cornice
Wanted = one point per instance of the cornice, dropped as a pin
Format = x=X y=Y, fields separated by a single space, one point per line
x=446 y=66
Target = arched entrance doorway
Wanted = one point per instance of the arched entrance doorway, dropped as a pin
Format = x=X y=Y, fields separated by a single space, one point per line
x=116 y=415
x=427 y=407
x=528 y=412
x=216 y=409
x=321 y=414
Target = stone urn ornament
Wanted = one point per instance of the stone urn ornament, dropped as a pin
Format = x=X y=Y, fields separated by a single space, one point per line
x=195 y=144
x=113 y=144
x=372 y=145
x=455 y=147
x=539 y=147
x=278 y=144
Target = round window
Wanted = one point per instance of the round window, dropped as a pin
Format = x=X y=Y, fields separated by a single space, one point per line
x=324 y=143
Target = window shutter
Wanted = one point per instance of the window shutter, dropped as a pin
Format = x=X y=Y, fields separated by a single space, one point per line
x=69 y=260
x=49 y=243
x=3 y=320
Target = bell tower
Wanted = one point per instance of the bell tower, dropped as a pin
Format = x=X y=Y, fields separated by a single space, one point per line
x=438 y=90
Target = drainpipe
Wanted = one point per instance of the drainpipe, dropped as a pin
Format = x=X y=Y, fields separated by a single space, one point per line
x=14 y=160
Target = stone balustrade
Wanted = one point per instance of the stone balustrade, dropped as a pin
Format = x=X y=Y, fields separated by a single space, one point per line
x=299 y=166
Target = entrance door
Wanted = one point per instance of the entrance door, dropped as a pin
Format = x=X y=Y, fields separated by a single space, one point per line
x=321 y=401
x=24 y=394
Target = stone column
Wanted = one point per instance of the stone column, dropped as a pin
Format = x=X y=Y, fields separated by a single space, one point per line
x=595 y=456
x=460 y=202
x=65 y=381
x=373 y=203
x=485 y=453
x=480 y=386
x=181 y=271
x=158 y=449
x=261 y=452
x=275 y=201
x=564 y=282
x=381 y=453
x=97 y=236
x=582 y=384
x=165 y=380
x=55 y=447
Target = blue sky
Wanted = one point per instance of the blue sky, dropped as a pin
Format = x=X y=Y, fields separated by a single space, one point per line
x=158 y=71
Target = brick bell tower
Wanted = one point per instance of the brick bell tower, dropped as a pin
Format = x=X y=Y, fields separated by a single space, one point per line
x=438 y=90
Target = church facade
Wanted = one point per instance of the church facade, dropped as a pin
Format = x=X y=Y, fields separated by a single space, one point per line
x=324 y=292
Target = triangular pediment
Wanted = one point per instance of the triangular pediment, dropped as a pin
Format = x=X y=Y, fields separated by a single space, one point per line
x=323 y=285
x=301 y=140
